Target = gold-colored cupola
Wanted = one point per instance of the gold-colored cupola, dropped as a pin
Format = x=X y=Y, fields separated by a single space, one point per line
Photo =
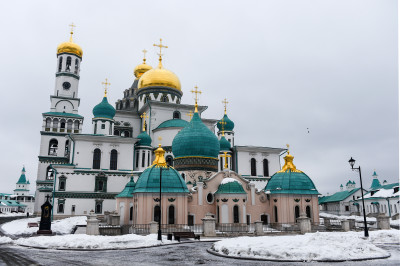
x=70 y=47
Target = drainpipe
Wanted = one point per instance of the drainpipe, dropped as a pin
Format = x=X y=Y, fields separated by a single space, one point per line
x=54 y=189
x=390 y=213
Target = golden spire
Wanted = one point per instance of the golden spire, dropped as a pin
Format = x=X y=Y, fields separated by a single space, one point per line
x=195 y=98
x=105 y=87
x=289 y=163
x=225 y=102
x=160 y=54
x=144 y=56
x=144 y=116
x=159 y=161
x=226 y=156
x=72 y=25
x=190 y=114
x=222 y=123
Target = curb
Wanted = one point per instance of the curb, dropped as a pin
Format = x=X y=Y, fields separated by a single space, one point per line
x=106 y=249
x=275 y=260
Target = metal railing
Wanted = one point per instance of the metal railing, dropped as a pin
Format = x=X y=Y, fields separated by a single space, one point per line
x=233 y=227
x=140 y=229
x=170 y=228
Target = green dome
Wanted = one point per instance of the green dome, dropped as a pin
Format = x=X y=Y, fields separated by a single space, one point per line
x=229 y=124
x=104 y=110
x=224 y=144
x=144 y=139
x=128 y=190
x=195 y=140
x=230 y=186
x=149 y=181
x=173 y=123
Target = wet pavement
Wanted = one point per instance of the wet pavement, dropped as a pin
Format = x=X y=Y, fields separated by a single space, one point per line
x=183 y=254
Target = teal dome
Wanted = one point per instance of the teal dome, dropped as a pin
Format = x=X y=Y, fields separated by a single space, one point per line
x=224 y=144
x=173 y=123
x=104 y=110
x=195 y=140
x=144 y=139
x=149 y=181
x=128 y=190
x=230 y=186
x=229 y=124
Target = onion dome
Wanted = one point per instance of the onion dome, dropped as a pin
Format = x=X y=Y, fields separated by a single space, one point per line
x=128 y=190
x=70 y=47
x=290 y=180
x=171 y=180
x=228 y=126
x=159 y=77
x=142 y=68
x=144 y=139
x=224 y=144
x=195 y=140
x=180 y=123
x=104 y=109
x=22 y=178
x=230 y=186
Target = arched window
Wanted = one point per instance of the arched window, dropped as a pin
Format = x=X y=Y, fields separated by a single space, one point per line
x=69 y=125
x=253 y=167
x=66 y=152
x=76 y=125
x=296 y=212
x=60 y=64
x=62 y=124
x=99 y=207
x=60 y=208
x=177 y=115
x=164 y=99
x=68 y=67
x=131 y=213
x=116 y=132
x=137 y=159
x=308 y=211
x=62 y=185
x=48 y=122
x=49 y=173
x=170 y=160
x=171 y=214
x=157 y=213
x=265 y=166
x=113 y=160
x=126 y=134
x=76 y=66
x=96 y=158
x=53 y=147
x=276 y=214
x=143 y=158
x=55 y=123
x=236 y=214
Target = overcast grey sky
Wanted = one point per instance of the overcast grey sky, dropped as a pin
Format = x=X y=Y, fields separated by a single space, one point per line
x=285 y=66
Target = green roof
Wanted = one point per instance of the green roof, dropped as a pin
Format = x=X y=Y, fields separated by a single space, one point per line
x=375 y=184
x=224 y=144
x=338 y=196
x=229 y=124
x=104 y=110
x=230 y=186
x=22 y=178
x=12 y=203
x=173 y=123
x=128 y=190
x=195 y=140
x=289 y=182
x=63 y=114
x=149 y=181
x=387 y=186
x=144 y=139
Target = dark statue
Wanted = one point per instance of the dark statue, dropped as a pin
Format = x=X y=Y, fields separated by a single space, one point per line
x=45 y=220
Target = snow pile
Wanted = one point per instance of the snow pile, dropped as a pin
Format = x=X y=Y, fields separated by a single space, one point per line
x=385 y=236
x=20 y=227
x=308 y=247
x=93 y=242
x=5 y=240
x=228 y=180
x=13 y=214
x=344 y=217
x=383 y=193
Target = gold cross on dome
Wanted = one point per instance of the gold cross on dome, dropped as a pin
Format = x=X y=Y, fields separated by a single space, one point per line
x=144 y=55
x=190 y=114
x=287 y=145
x=196 y=98
x=226 y=156
x=144 y=116
x=225 y=102
x=222 y=123
x=159 y=140
x=160 y=54
x=72 y=25
x=105 y=87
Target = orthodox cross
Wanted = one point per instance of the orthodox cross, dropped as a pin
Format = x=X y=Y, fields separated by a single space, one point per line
x=196 y=98
x=190 y=114
x=72 y=30
x=160 y=139
x=222 y=123
x=144 y=55
x=144 y=116
x=225 y=102
x=226 y=156
x=160 y=54
x=105 y=87
x=287 y=145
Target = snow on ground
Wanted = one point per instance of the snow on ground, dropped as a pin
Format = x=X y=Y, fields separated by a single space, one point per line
x=93 y=242
x=13 y=214
x=5 y=240
x=308 y=247
x=20 y=227
x=343 y=217
x=385 y=236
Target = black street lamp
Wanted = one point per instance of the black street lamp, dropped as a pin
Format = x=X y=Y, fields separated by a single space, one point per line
x=351 y=162
x=159 y=219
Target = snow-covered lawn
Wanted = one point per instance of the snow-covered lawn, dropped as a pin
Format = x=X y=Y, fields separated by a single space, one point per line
x=13 y=214
x=93 y=242
x=5 y=240
x=309 y=247
x=359 y=219
x=20 y=227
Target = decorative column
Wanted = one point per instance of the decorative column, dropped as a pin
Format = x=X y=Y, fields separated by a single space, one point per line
x=200 y=192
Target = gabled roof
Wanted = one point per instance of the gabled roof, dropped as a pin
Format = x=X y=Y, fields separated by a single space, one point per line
x=338 y=196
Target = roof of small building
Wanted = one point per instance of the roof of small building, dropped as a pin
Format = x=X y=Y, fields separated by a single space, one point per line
x=12 y=203
x=173 y=123
x=62 y=114
x=338 y=196
x=128 y=190
x=230 y=186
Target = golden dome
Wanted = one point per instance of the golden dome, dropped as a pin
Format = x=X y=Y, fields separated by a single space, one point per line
x=159 y=77
x=141 y=69
x=70 y=47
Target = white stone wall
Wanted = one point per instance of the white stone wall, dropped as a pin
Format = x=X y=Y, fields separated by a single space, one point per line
x=244 y=157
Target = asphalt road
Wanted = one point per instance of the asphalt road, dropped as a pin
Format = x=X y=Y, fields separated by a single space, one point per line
x=184 y=254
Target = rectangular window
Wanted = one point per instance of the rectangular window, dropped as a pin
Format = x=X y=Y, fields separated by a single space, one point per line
x=347 y=208
x=100 y=183
x=73 y=208
x=143 y=158
x=137 y=159
x=99 y=206
x=103 y=126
